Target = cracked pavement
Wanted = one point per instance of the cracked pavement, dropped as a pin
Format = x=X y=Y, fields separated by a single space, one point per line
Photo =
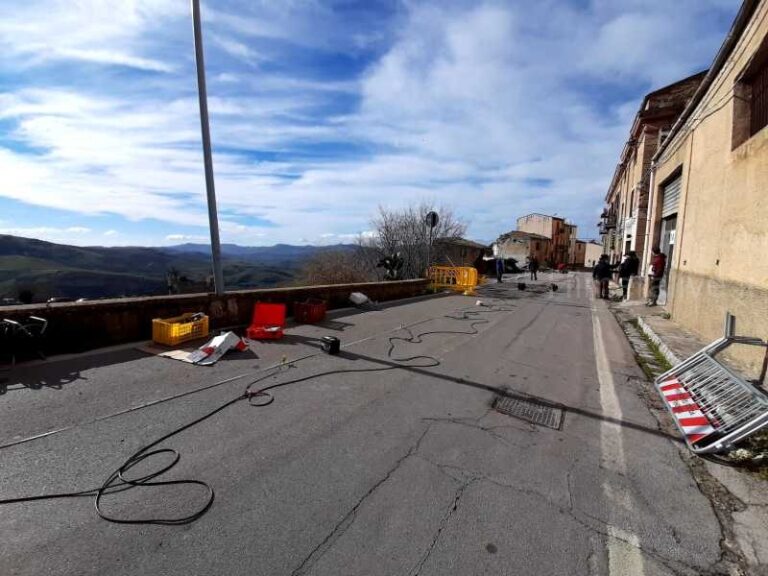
x=406 y=471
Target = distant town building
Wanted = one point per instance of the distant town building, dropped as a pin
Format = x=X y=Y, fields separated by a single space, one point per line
x=561 y=234
x=708 y=207
x=592 y=253
x=457 y=252
x=587 y=253
x=521 y=245
x=624 y=219
x=571 y=231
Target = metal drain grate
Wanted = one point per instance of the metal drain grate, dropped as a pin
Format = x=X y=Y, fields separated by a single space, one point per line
x=530 y=410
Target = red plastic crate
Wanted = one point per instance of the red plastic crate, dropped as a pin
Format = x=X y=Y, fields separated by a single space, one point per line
x=268 y=322
x=309 y=312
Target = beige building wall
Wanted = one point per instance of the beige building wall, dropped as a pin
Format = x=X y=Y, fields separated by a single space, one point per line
x=579 y=250
x=536 y=224
x=592 y=254
x=720 y=258
x=521 y=247
x=627 y=198
x=571 y=231
x=562 y=235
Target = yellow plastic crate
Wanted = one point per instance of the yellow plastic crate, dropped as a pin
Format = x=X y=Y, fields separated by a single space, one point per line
x=173 y=331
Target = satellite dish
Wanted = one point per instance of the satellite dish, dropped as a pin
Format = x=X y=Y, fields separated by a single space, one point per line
x=431 y=219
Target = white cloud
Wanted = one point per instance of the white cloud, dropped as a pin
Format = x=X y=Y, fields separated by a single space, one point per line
x=237 y=49
x=111 y=57
x=227 y=77
x=38 y=31
x=50 y=233
x=469 y=105
x=186 y=238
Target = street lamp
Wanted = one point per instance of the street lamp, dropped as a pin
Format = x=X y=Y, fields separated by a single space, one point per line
x=213 y=219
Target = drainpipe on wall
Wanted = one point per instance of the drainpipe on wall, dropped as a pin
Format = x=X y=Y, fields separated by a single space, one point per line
x=678 y=252
x=649 y=219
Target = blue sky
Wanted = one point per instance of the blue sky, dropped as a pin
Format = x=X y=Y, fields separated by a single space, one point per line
x=323 y=110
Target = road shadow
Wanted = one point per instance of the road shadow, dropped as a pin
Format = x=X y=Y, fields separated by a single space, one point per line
x=56 y=374
x=334 y=325
x=505 y=391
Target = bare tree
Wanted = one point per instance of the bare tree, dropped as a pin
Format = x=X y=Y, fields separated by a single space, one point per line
x=405 y=231
x=336 y=267
x=172 y=280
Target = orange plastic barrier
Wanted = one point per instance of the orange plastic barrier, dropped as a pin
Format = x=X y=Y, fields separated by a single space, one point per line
x=459 y=278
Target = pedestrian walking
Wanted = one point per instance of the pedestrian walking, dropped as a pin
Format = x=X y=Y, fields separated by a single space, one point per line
x=658 y=268
x=533 y=267
x=499 y=269
x=628 y=268
x=602 y=276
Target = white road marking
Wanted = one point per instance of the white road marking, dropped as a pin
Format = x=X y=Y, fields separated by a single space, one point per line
x=624 y=556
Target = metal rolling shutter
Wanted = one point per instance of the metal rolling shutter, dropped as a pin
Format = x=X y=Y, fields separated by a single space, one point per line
x=670 y=197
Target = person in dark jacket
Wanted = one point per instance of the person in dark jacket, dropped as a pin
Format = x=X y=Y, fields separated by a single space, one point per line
x=533 y=267
x=602 y=275
x=628 y=268
x=658 y=268
x=499 y=269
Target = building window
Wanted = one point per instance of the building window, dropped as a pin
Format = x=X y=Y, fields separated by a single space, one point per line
x=663 y=133
x=759 y=105
x=750 y=98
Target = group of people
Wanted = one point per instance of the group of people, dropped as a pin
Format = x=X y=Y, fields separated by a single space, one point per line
x=628 y=267
x=533 y=268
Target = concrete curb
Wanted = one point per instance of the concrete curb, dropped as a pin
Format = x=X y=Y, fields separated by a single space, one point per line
x=670 y=356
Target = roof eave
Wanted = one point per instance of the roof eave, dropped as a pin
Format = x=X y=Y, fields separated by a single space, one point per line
x=734 y=34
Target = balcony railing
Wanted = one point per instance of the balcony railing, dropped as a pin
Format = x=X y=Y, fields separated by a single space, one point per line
x=607 y=223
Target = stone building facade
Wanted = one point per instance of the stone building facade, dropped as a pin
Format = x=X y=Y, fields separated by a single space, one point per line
x=708 y=207
x=521 y=245
x=587 y=253
x=625 y=216
x=457 y=252
x=561 y=234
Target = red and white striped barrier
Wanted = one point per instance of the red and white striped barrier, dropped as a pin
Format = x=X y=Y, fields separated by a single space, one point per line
x=690 y=419
x=713 y=406
x=214 y=349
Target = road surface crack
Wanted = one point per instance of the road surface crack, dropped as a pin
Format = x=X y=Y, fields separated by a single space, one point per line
x=443 y=523
x=491 y=431
x=723 y=504
x=732 y=559
x=344 y=524
x=587 y=521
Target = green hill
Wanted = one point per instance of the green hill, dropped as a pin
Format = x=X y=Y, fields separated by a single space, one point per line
x=55 y=270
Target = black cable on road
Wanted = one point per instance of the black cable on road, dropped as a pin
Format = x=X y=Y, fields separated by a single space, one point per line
x=258 y=397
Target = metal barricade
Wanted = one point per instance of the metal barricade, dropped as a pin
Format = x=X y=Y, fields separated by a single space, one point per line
x=713 y=407
x=459 y=278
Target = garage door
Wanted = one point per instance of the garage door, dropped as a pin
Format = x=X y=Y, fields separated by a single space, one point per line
x=670 y=197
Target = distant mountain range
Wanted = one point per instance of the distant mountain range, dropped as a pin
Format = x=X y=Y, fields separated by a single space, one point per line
x=279 y=253
x=44 y=269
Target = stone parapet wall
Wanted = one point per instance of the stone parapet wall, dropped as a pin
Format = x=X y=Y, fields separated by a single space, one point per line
x=75 y=327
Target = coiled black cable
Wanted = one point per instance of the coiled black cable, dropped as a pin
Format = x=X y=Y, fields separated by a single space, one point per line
x=117 y=482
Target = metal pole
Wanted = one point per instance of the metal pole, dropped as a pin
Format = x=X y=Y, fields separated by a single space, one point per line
x=213 y=219
x=429 y=247
x=730 y=325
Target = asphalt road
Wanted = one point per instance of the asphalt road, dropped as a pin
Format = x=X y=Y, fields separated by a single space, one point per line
x=385 y=467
